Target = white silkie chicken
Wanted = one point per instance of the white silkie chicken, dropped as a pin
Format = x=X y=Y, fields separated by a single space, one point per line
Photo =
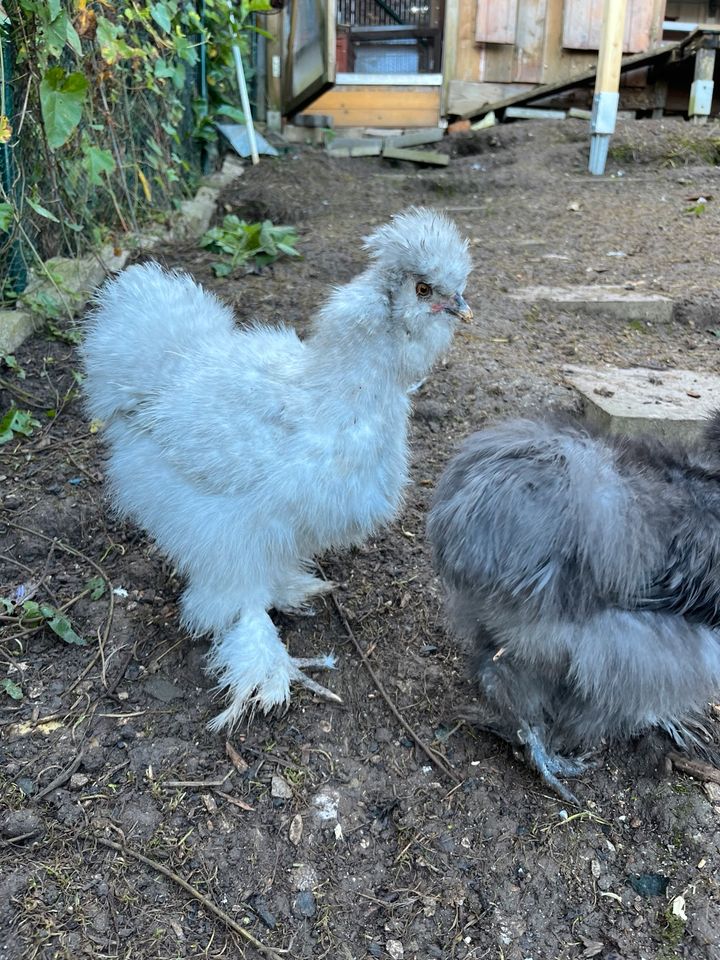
x=244 y=453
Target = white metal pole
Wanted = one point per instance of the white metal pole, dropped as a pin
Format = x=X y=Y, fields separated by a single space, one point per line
x=245 y=101
x=607 y=84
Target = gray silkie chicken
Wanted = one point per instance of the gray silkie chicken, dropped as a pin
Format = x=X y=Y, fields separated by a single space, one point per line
x=583 y=572
x=244 y=453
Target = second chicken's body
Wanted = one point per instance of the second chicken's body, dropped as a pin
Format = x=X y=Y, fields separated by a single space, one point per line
x=583 y=570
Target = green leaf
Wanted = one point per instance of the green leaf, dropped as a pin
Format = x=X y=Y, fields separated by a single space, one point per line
x=222 y=269
x=11 y=688
x=61 y=102
x=7 y=212
x=96 y=586
x=71 y=335
x=42 y=211
x=227 y=110
x=31 y=611
x=9 y=360
x=35 y=612
x=17 y=421
x=53 y=8
x=161 y=15
x=97 y=162
x=73 y=38
x=60 y=625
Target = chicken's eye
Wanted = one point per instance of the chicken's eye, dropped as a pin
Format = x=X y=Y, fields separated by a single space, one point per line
x=423 y=290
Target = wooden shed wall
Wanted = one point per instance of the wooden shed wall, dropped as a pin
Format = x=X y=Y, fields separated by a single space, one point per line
x=531 y=43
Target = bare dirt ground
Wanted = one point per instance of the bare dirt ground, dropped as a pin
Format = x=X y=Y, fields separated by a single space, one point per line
x=330 y=833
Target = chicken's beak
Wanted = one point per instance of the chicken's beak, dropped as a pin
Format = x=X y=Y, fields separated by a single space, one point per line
x=460 y=309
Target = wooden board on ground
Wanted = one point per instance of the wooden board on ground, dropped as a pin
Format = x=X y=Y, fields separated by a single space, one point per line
x=416 y=156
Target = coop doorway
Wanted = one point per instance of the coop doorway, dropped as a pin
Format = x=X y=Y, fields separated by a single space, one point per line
x=388 y=39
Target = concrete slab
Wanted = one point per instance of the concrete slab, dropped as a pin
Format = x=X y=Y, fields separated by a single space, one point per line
x=601 y=299
x=355 y=147
x=670 y=404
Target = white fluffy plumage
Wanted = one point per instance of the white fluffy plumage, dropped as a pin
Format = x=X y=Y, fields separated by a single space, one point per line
x=244 y=453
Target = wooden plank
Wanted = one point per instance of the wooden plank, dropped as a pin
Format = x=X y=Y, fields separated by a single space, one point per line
x=582 y=25
x=533 y=113
x=668 y=53
x=528 y=64
x=374 y=106
x=496 y=21
x=417 y=156
x=449 y=49
x=463 y=95
x=415 y=139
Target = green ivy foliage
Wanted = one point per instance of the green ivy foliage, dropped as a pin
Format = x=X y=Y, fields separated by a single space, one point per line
x=102 y=126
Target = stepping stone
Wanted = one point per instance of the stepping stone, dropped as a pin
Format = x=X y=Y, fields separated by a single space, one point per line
x=601 y=299
x=668 y=404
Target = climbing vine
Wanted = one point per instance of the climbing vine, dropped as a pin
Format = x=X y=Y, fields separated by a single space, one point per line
x=106 y=110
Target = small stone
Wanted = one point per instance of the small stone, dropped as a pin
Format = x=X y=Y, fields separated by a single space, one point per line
x=296 y=829
x=262 y=910
x=163 y=690
x=280 y=788
x=78 y=781
x=18 y=823
x=304 y=905
x=303 y=877
x=25 y=785
x=395 y=949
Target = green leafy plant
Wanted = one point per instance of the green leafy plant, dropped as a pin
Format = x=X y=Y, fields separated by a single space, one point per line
x=11 y=363
x=36 y=614
x=112 y=126
x=241 y=241
x=17 y=422
x=11 y=688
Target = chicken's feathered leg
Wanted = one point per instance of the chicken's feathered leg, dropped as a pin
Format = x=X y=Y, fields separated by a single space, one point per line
x=296 y=589
x=252 y=662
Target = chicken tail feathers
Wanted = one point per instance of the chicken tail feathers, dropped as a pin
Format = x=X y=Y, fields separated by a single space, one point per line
x=142 y=325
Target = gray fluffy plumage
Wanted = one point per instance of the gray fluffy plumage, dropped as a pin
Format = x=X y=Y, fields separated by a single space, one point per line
x=583 y=572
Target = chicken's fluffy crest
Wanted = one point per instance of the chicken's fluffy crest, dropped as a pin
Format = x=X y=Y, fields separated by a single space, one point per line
x=425 y=242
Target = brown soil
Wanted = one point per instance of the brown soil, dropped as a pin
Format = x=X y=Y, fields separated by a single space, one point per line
x=109 y=743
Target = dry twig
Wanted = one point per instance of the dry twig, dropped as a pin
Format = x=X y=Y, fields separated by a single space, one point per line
x=208 y=904
x=694 y=768
x=436 y=758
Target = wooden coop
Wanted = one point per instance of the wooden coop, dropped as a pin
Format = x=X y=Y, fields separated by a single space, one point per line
x=414 y=63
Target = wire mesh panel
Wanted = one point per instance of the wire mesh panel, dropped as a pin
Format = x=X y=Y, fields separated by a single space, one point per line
x=98 y=102
x=390 y=36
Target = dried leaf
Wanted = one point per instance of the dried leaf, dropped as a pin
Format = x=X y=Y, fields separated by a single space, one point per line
x=237 y=761
x=235 y=801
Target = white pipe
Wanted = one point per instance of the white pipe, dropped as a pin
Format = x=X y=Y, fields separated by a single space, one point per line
x=245 y=101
